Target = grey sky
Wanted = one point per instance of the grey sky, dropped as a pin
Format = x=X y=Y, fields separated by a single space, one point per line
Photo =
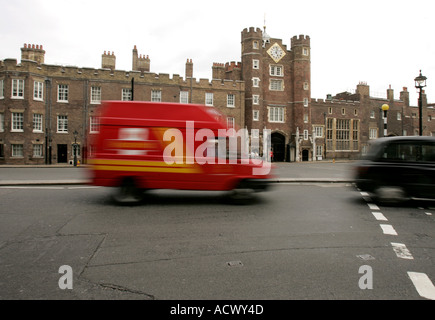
x=384 y=42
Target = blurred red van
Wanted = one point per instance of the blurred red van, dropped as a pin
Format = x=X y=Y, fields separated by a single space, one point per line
x=151 y=145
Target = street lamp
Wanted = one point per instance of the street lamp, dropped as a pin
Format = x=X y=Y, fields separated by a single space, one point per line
x=420 y=83
x=75 y=145
x=385 y=108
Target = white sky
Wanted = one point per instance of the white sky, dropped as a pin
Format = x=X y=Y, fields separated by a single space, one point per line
x=383 y=42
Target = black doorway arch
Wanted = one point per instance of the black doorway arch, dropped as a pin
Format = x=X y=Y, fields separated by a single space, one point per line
x=278 y=146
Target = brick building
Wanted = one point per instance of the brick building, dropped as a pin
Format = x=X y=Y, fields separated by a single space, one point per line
x=46 y=109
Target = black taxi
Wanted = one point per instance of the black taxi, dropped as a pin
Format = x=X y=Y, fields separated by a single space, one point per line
x=398 y=168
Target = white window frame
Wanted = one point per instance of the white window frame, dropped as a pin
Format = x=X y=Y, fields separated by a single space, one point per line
x=156 y=95
x=276 y=70
x=209 y=99
x=38 y=91
x=318 y=131
x=306 y=102
x=62 y=124
x=255 y=115
x=2 y=122
x=95 y=95
x=62 y=93
x=373 y=133
x=305 y=118
x=38 y=151
x=276 y=114
x=255 y=64
x=256 y=99
x=231 y=101
x=305 y=51
x=17 y=89
x=184 y=96
x=37 y=122
x=231 y=122
x=306 y=135
x=399 y=116
x=276 y=85
x=372 y=114
x=17 y=151
x=306 y=85
x=126 y=94
x=17 y=119
x=2 y=89
x=94 y=124
x=255 y=82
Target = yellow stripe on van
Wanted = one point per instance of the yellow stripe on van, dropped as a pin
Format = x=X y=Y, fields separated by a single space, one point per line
x=143 y=166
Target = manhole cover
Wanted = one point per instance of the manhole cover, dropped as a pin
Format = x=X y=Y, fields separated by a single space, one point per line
x=366 y=257
x=235 y=263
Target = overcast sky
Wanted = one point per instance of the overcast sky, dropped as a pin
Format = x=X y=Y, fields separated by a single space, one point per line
x=383 y=42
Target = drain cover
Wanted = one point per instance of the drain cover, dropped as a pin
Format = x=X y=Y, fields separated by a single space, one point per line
x=366 y=257
x=235 y=263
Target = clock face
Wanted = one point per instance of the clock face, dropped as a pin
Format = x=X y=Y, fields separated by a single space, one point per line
x=276 y=52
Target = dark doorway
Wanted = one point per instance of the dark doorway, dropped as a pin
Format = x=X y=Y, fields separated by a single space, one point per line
x=305 y=155
x=62 y=153
x=278 y=146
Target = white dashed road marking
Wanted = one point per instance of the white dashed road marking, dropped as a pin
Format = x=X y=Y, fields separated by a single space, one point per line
x=379 y=216
x=388 y=229
x=372 y=206
x=401 y=251
x=422 y=283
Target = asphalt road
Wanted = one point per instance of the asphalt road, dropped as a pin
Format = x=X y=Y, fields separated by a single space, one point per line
x=296 y=242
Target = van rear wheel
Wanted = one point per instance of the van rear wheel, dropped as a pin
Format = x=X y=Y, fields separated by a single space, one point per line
x=128 y=193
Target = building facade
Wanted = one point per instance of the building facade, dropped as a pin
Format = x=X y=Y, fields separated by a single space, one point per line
x=46 y=111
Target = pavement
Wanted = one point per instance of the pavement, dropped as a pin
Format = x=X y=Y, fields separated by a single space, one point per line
x=283 y=172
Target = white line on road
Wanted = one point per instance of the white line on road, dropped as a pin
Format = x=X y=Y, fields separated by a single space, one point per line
x=388 y=229
x=42 y=188
x=379 y=216
x=428 y=213
x=423 y=284
x=401 y=251
x=372 y=206
x=88 y=187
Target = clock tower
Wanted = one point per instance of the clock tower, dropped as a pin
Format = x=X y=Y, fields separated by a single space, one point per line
x=277 y=91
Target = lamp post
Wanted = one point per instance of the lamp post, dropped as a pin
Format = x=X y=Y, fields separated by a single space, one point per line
x=385 y=108
x=420 y=83
x=75 y=133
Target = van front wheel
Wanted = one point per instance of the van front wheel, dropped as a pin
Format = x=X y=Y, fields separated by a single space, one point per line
x=128 y=193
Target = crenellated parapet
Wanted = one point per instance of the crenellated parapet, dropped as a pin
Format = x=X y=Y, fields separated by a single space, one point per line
x=301 y=40
x=252 y=32
x=107 y=74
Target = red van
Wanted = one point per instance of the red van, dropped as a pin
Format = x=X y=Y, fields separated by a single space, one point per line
x=152 y=145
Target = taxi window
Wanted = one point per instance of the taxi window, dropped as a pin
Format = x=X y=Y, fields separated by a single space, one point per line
x=428 y=152
x=409 y=152
x=400 y=152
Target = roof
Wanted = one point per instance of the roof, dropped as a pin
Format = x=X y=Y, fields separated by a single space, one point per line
x=141 y=113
